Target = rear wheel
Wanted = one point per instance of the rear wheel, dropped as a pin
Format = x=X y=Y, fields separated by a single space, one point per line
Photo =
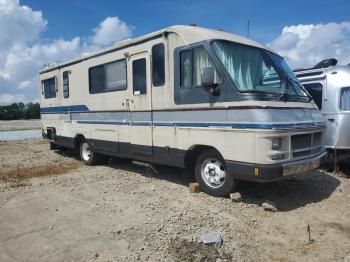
x=212 y=176
x=87 y=155
x=53 y=146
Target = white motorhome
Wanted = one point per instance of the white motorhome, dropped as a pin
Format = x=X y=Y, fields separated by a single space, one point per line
x=188 y=97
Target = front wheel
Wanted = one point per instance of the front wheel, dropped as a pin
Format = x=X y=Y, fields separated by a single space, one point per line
x=87 y=155
x=212 y=176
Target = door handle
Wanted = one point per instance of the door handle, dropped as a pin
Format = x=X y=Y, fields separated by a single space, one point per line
x=331 y=119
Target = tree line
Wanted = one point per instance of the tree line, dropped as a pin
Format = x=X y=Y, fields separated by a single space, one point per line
x=20 y=110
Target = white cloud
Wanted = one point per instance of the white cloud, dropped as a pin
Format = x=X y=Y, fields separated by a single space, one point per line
x=23 y=50
x=110 y=31
x=23 y=62
x=19 y=24
x=8 y=98
x=25 y=84
x=306 y=45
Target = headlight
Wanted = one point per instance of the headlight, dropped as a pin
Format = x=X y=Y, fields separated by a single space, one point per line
x=277 y=157
x=276 y=143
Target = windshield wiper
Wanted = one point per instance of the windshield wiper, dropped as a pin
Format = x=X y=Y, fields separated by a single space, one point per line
x=256 y=91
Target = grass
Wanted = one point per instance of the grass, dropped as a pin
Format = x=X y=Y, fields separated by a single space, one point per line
x=17 y=176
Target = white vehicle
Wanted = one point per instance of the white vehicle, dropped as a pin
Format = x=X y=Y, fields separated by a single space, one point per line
x=189 y=97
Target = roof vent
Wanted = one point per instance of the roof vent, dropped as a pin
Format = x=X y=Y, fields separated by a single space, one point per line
x=326 y=63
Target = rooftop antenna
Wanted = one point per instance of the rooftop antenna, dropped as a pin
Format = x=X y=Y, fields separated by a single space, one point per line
x=248 y=28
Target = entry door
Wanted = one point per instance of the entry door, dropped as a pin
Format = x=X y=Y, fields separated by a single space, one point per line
x=140 y=104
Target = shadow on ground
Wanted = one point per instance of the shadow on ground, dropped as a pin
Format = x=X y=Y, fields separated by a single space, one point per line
x=288 y=194
x=171 y=174
x=291 y=193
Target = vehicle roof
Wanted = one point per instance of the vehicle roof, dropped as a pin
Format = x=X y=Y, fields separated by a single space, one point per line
x=319 y=73
x=189 y=34
x=326 y=70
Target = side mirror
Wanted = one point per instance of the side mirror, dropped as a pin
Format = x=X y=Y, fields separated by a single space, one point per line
x=208 y=77
x=207 y=80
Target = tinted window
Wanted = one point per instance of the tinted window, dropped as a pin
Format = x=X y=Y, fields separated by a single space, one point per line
x=65 y=84
x=192 y=63
x=49 y=87
x=315 y=90
x=139 y=76
x=158 y=65
x=345 y=99
x=108 y=77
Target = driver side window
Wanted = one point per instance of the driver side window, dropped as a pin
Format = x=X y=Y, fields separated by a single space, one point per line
x=192 y=62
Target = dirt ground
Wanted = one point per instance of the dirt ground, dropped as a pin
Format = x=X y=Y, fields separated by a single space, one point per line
x=52 y=208
x=19 y=125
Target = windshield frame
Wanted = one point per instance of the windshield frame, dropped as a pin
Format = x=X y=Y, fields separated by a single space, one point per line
x=285 y=78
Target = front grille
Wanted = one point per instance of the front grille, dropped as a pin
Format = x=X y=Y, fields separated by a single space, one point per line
x=306 y=144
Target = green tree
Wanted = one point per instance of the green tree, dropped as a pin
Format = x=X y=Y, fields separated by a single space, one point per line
x=19 y=110
x=32 y=111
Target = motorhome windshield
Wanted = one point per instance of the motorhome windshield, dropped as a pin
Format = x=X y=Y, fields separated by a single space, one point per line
x=257 y=70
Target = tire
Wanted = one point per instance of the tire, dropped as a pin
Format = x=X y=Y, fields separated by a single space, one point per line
x=211 y=174
x=345 y=168
x=53 y=146
x=87 y=155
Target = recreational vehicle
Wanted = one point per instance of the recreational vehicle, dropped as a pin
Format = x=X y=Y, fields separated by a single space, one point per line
x=223 y=105
x=329 y=85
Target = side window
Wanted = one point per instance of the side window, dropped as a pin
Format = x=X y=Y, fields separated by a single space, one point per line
x=49 y=86
x=315 y=90
x=65 y=84
x=108 y=77
x=158 y=65
x=192 y=63
x=139 y=76
x=345 y=99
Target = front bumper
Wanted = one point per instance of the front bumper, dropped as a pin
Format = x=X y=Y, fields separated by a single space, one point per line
x=273 y=172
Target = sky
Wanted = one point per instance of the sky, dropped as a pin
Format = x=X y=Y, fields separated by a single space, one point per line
x=38 y=32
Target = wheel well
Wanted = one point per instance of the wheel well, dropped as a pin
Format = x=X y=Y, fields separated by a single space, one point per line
x=77 y=141
x=192 y=154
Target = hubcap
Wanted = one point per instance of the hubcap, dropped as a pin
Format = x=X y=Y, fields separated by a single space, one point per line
x=213 y=172
x=85 y=151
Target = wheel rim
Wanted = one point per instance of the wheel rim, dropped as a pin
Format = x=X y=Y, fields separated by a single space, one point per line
x=85 y=151
x=213 y=172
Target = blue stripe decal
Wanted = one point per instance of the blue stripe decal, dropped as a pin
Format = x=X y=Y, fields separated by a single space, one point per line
x=118 y=123
x=193 y=124
x=84 y=108
x=64 y=109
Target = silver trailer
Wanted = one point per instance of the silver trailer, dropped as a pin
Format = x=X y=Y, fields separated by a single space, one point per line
x=329 y=85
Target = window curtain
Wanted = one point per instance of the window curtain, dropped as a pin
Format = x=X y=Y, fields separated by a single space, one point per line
x=200 y=60
x=192 y=63
x=186 y=68
x=243 y=64
x=345 y=99
x=115 y=75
